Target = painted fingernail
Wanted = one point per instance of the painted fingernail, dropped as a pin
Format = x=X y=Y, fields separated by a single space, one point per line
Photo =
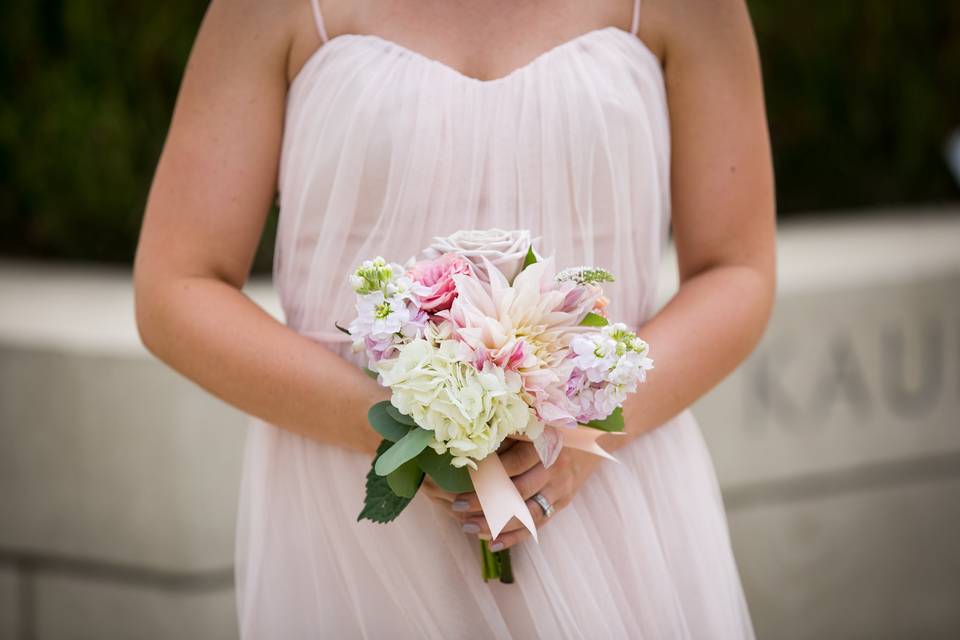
x=471 y=527
x=496 y=546
x=460 y=505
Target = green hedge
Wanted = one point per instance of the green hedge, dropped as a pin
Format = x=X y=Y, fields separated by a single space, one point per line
x=861 y=95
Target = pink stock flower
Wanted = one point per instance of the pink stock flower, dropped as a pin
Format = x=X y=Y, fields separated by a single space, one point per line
x=384 y=348
x=437 y=274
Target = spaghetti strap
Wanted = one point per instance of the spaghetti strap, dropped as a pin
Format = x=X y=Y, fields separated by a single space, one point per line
x=636 y=17
x=318 y=19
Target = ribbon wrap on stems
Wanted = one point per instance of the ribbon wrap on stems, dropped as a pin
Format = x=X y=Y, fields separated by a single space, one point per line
x=498 y=495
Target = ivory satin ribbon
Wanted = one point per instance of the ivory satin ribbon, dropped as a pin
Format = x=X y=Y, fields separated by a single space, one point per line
x=498 y=495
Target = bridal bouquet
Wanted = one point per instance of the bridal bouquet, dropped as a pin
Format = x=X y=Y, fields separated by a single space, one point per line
x=481 y=340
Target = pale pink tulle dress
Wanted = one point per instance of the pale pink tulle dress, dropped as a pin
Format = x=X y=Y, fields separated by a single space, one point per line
x=383 y=149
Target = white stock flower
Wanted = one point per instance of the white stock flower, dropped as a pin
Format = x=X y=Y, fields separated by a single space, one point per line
x=379 y=317
x=406 y=288
x=506 y=250
x=596 y=355
x=388 y=309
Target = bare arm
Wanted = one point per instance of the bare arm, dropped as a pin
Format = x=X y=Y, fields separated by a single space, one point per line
x=723 y=209
x=212 y=190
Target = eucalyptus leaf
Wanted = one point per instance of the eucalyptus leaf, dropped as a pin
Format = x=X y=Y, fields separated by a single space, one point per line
x=594 y=320
x=402 y=418
x=406 y=479
x=381 y=504
x=448 y=477
x=402 y=450
x=613 y=422
x=380 y=419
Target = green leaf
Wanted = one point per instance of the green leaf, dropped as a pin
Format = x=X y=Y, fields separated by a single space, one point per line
x=613 y=422
x=402 y=418
x=381 y=504
x=594 y=320
x=448 y=477
x=529 y=259
x=380 y=419
x=370 y=372
x=402 y=450
x=406 y=479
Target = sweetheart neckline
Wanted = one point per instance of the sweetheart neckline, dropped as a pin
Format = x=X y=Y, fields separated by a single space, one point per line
x=346 y=38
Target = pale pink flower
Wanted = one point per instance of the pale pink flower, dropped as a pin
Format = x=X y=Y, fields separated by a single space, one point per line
x=581 y=299
x=526 y=326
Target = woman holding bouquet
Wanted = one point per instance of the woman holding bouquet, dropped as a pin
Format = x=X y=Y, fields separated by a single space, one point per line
x=384 y=125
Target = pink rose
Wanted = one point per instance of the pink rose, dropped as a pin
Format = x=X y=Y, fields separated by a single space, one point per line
x=437 y=274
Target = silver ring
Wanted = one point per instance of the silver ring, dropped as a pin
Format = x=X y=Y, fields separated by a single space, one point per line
x=548 y=509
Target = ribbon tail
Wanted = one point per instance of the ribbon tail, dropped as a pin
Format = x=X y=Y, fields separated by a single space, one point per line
x=499 y=497
x=585 y=439
x=548 y=445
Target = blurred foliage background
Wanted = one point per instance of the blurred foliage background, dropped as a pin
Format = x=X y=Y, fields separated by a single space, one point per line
x=861 y=96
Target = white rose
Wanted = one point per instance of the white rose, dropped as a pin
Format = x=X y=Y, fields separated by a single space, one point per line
x=506 y=250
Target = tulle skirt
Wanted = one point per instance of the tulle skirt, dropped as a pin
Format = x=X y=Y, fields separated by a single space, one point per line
x=642 y=551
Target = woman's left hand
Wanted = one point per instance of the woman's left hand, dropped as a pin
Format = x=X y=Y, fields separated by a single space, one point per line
x=558 y=484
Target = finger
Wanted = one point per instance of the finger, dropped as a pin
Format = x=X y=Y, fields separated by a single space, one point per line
x=519 y=458
x=466 y=503
x=507 y=540
x=533 y=480
x=506 y=444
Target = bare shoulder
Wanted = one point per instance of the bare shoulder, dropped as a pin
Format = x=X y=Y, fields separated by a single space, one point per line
x=251 y=30
x=679 y=30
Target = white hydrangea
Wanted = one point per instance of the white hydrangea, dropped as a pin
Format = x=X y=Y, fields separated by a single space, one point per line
x=470 y=412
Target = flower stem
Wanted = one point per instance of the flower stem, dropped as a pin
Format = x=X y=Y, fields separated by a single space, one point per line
x=506 y=568
x=495 y=564
x=490 y=566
